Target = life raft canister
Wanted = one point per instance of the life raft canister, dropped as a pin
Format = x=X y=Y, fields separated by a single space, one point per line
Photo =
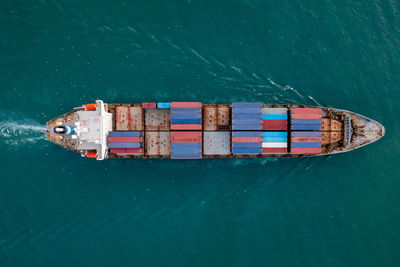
x=92 y=106
x=92 y=155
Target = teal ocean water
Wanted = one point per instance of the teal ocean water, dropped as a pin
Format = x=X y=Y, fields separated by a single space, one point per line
x=58 y=209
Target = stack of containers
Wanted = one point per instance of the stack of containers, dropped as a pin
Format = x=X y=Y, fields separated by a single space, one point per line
x=306 y=119
x=274 y=119
x=246 y=116
x=186 y=116
x=149 y=105
x=306 y=142
x=274 y=142
x=186 y=145
x=246 y=142
x=306 y=137
x=164 y=105
x=125 y=142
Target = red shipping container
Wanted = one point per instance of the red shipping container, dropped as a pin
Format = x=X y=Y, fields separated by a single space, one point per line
x=149 y=105
x=186 y=126
x=115 y=139
x=274 y=125
x=186 y=105
x=306 y=150
x=307 y=110
x=185 y=140
x=246 y=139
x=127 y=150
x=306 y=116
x=272 y=150
x=306 y=139
x=186 y=134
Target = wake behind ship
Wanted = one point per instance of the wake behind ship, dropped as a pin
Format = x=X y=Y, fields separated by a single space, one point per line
x=192 y=130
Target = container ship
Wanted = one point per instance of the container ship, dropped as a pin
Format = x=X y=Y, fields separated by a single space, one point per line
x=193 y=130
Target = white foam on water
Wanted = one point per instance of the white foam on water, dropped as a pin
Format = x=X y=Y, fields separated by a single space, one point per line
x=16 y=133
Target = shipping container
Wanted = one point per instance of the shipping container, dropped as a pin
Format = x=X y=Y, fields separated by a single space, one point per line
x=246 y=110
x=158 y=144
x=185 y=126
x=186 y=139
x=246 y=139
x=246 y=150
x=125 y=145
x=274 y=150
x=185 y=110
x=274 y=144
x=246 y=116
x=305 y=116
x=124 y=139
x=246 y=145
x=217 y=143
x=246 y=105
x=186 y=145
x=306 y=121
x=274 y=134
x=306 y=127
x=274 y=139
x=274 y=116
x=125 y=133
x=157 y=119
x=246 y=121
x=163 y=105
x=186 y=105
x=186 y=156
x=186 y=121
x=274 y=125
x=306 y=110
x=305 y=134
x=179 y=116
x=246 y=134
x=310 y=150
x=274 y=111
x=149 y=105
x=186 y=134
x=305 y=144
x=246 y=127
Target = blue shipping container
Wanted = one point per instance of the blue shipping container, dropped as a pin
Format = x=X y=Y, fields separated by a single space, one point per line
x=246 y=134
x=274 y=134
x=246 y=127
x=186 y=145
x=186 y=156
x=274 y=139
x=274 y=116
x=186 y=110
x=247 y=121
x=306 y=134
x=185 y=116
x=306 y=121
x=246 y=151
x=124 y=145
x=246 y=110
x=163 y=105
x=186 y=121
x=185 y=151
x=125 y=134
x=246 y=104
x=306 y=144
x=305 y=126
x=246 y=145
x=246 y=116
